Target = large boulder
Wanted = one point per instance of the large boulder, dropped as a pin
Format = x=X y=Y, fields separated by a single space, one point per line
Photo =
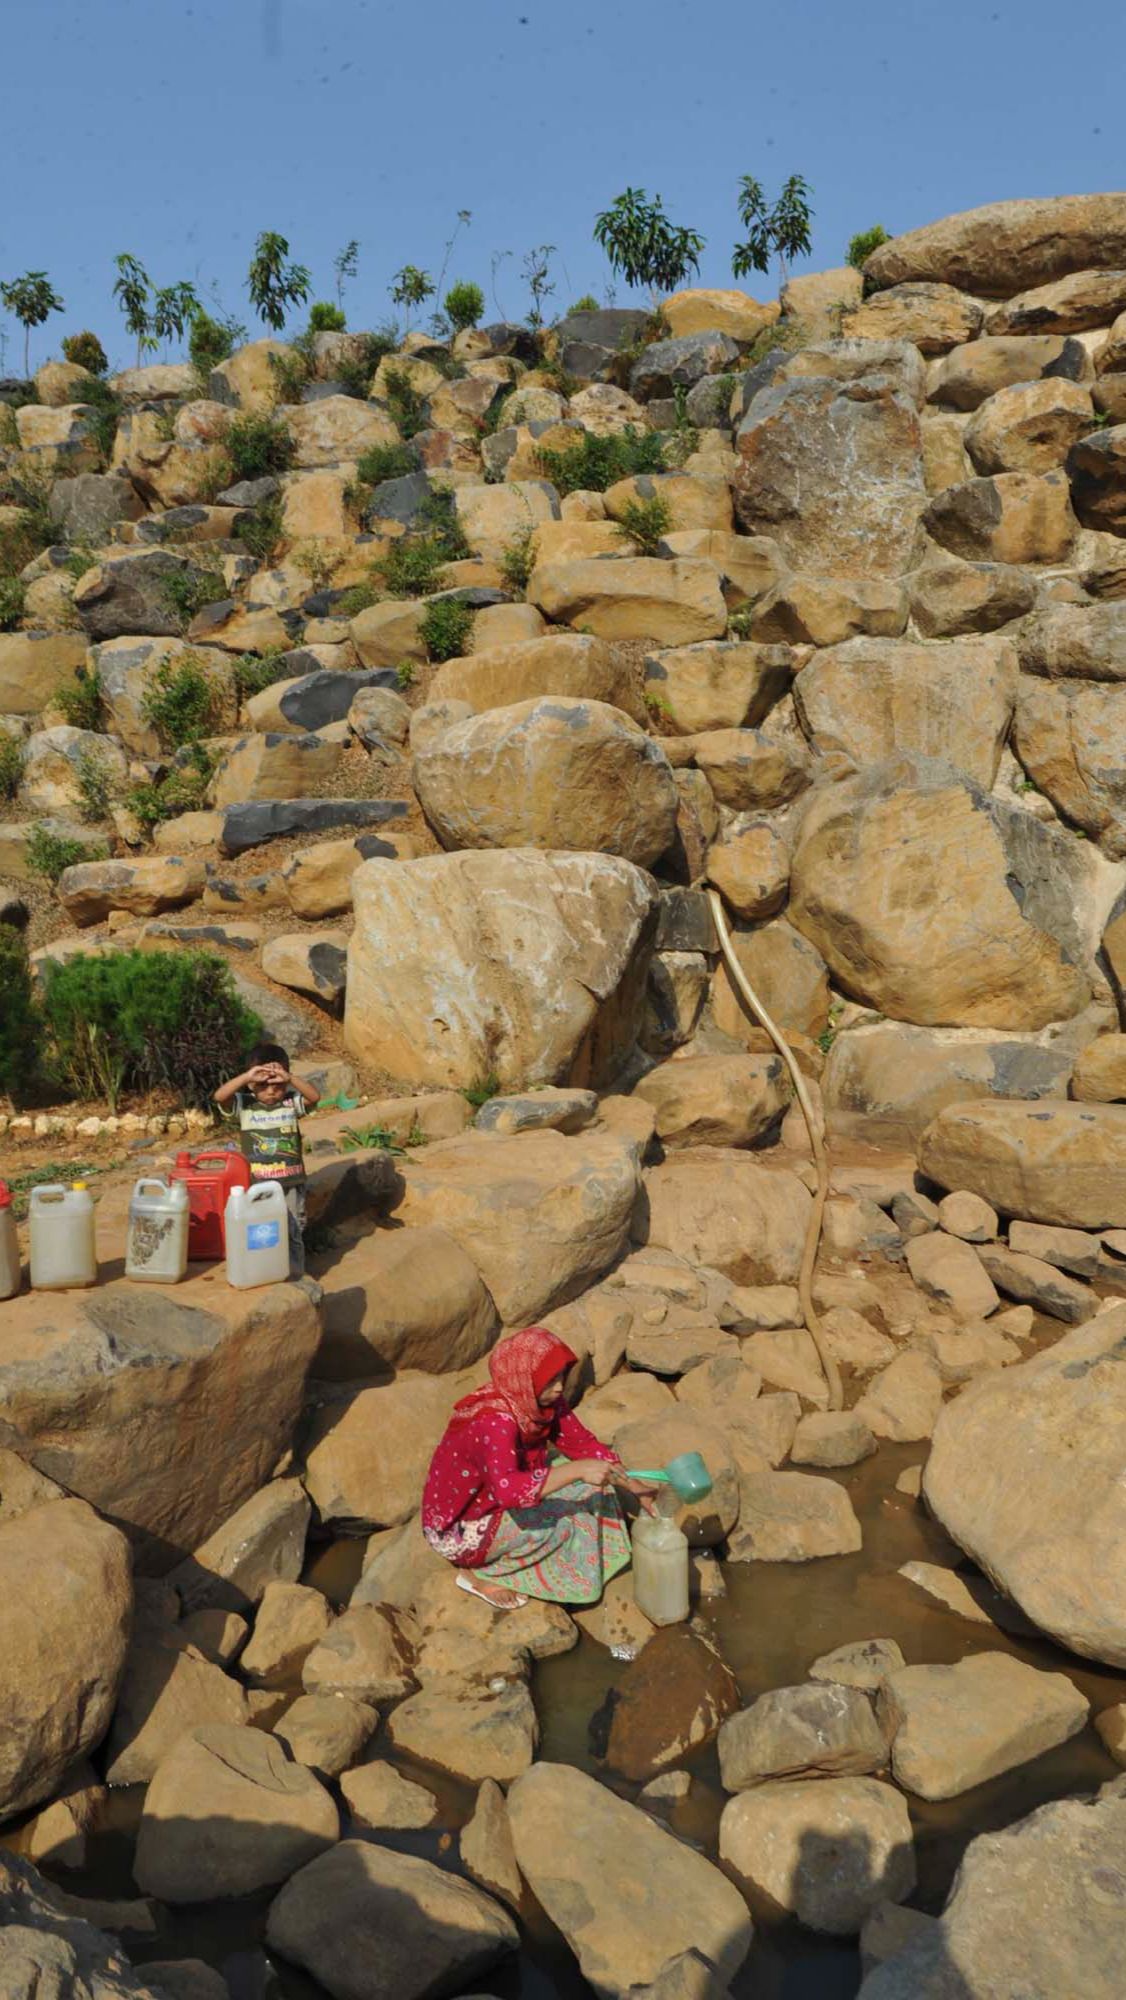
x=166 y=1412
x=871 y=888
x=1035 y=1910
x=964 y=379
x=135 y=592
x=716 y=1100
x=1029 y=427
x=872 y=698
x=717 y=1207
x=818 y=1730
x=1097 y=468
x=551 y=773
x=227 y=1813
x=674 y=603
x=525 y=966
x=1025 y=1474
x=572 y=1197
x=402 y=1298
x=952 y=1727
x=888 y=1081
x=669 y=1702
x=720 y=684
x=64 y=1578
x=787 y=973
x=1085 y=642
x=833 y=470
x=1063 y=1163
x=1008 y=246
x=933 y=317
x=370 y=1924
x=625 y=1894
x=559 y=663
x=168 y=1690
x=828 y=1851
x=1069 y=736
x=367 y=1457
x=51 y=1948
x=1011 y=517
x=473 y=1734
x=34 y=666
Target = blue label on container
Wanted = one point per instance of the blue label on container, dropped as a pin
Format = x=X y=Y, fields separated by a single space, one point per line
x=263 y=1235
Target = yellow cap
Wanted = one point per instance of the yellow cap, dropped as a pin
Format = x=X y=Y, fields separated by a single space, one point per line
x=78 y=1187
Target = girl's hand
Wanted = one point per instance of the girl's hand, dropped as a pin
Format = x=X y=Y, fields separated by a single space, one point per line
x=595 y=1471
x=643 y=1491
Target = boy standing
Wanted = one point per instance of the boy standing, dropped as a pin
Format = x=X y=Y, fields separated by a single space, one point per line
x=268 y=1102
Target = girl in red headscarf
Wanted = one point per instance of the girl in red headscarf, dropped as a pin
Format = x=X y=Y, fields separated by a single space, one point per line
x=497 y=1506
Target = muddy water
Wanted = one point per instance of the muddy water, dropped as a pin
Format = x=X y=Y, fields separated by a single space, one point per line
x=775 y=1619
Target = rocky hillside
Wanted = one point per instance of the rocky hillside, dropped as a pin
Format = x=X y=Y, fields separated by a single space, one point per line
x=432 y=689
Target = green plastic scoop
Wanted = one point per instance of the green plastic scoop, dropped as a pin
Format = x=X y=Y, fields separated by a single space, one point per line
x=686 y=1474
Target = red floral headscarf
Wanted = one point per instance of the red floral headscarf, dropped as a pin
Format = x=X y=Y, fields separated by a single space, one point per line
x=521 y=1367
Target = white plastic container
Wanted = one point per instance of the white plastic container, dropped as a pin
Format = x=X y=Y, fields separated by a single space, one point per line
x=10 y=1273
x=156 y=1248
x=660 y=1570
x=61 y=1220
x=257 y=1230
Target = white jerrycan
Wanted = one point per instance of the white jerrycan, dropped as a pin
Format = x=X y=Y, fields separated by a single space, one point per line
x=257 y=1229
x=660 y=1570
x=62 y=1237
x=156 y=1248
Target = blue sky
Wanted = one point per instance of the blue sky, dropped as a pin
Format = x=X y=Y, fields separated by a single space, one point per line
x=177 y=131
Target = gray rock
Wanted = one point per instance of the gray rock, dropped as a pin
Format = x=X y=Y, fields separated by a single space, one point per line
x=562 y=1110
x=668 y=365
x=709 y=401
x=1036 y=1913
x=861 y=1664
x=797 y=1732
x=952 y=1727
x=130 y=594
x=589 y=341
x=90 y=505
x=256 y=821
x=249 y=492
x=402 y=499
x=1037 y=1283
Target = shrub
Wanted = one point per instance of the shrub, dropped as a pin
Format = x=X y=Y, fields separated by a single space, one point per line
x=183 y=790
x=412 y=566
x=103 y=413
x=95 y=785
x=440 y=516
x=408 y=409
x=464 y=303
x=445 y=628
x=368 y=1138
x=358 y=597
x=261 y=531
x=386 y=461
x=210 y=341
x=11 y=764
x=144 y=1021
x=12 y=596
x=481 y=1089
x=49 y=853
x=85 y=350
x=258 y=444
x=598 y=462
x=326 y=318
x=354 y=372
x=81 y=704
x=291 y=371
x=255 y=671
x=406 y=674
x=862 y=245
x=587 y=304
x=740 y=623
x=19 y=1022
x=645 y=523
x=187 y=591
x=180 y=700
x=317 y=562
x=518 y=560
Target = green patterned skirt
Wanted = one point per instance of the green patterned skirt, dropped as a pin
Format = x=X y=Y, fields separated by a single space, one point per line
x=566 y=1549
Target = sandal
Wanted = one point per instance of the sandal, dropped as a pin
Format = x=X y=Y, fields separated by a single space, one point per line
x=465 y=1582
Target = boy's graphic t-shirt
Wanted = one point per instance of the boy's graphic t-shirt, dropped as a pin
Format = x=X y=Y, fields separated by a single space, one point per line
x=271 y=1138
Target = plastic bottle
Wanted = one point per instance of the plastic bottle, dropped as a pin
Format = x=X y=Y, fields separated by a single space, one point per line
x=10 y=1272
x=660 y=1570
x=257 y=1231
x=62 y=1237
x=156 y=1248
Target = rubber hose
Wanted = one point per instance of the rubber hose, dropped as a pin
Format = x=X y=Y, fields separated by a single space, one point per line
x=817 y=1142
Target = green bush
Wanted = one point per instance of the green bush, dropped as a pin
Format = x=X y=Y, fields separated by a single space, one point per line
x=85 y=350
x=412 y=566
x=408 y=409
x=255 y=671
x=11 y=764
x=138 y=1020
x=464 y=303
x=587 y=304
x=49 y=853
x=187 y=591
x=81 y=704
x=258 y=444
x=598 y=462
x=261 y=531
x=12 y=596
x=645 y=523
x=19 y=1022
x=386 y=461
x=180 y=701
x=103 y=415
x=95 y=786
x=183 y=790
x=358 y=597
x=518 y=560
x=861 y=246
x=354 y=371
x=210 y=342
x=445 y=628
x=326 y=318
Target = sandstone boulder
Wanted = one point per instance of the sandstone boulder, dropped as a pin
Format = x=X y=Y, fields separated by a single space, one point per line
x=827 y=1851
x=789 y=976
x=954 y=1726
x=403 y=1298
x=227 y=1813
x=750 y=866
x=1085 y=642
x=1097 y=469
x=934 y=317
x=34 y=666
x=362 y=1655
x=633 y=597
x=1063 y=1163
x=887 y=1082
x=794 y=1732
x=950 y=598
x=262 y=1542
x=1068 y=735
x=524 y=965
x=1028 y=428
x=626 y=1895
x=560 y=663
x=872 y=698
x=553 y=772
x=326 y=1731
x=91 y=889
x=1012 y=517
x=56 y=761
x=1008 y=246
x=367 y=1457
x=65 y=1580
x=719 y=684
x=474 y=1735
x=791 y=1517
x=291 y=1620
x=370 y=1924
x=379 y=1799
x=51 y=1945
x=964 y=379
x=825 y=611
x=1099 y=1076
x=669 y=1702
x=869 y=885
x=716 y=1100
x=719 y=1208
x=1023 y=1473
x=168 y=1690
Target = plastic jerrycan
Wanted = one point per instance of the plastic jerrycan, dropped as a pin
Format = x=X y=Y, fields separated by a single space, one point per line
x=209 y=1178
x=660 y=1569
x=156 y=1247
x=257 y=1226
x=10 y=1272
x=62 y=1237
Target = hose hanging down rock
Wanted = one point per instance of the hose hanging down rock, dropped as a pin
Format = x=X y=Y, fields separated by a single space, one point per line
x=816 y=1139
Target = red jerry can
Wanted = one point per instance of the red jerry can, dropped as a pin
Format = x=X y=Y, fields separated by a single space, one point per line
x=210 y=1178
